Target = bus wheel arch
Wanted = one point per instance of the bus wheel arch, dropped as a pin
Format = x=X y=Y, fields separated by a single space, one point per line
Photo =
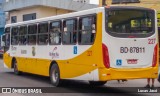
x=51 y=64
x=54 y=74
x=15 y=67
x=12 y=63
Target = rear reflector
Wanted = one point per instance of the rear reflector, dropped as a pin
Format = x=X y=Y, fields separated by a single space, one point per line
x=155 y=56
x=105 y=56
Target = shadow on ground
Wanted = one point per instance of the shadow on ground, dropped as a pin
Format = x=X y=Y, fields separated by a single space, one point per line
x=71 y=86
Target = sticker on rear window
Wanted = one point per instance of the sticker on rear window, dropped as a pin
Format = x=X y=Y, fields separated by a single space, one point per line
x=118 y=62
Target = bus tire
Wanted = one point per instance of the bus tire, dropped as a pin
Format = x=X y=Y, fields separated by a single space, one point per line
x=55 y=75
x=97 y=83
x=15 y=67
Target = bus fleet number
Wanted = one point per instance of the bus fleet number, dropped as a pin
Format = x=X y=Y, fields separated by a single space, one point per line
x=132 y=50
x=152 y=41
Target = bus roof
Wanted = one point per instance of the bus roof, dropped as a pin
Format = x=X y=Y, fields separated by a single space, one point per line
x=56 y=17
x=73 y=14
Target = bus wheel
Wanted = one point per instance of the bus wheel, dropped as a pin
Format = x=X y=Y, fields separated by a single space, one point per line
x=15 y=66
x=55 y=75
x=97 y=83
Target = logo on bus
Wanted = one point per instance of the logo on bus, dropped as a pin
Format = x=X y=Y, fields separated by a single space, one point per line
x=23 y=51
x=13 y=48
x=118 y=62
x=132 y=61
x=54 y=54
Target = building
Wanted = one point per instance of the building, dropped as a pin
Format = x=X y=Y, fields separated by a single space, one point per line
x=2 y=18
x=23 y=10
x=143 y=3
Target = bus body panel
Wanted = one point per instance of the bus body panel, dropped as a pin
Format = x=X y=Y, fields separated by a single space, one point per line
x=136 y=73
x=72 y=68
x=7 y=59
x=122 y=51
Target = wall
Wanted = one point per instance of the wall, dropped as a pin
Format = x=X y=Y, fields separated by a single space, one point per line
x=40 y=11
x=155 y=4
x=60 y=4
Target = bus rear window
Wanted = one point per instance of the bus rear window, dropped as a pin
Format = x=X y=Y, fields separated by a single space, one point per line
x=130 y=22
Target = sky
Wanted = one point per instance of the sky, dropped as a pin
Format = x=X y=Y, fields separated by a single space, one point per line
x=94 y=1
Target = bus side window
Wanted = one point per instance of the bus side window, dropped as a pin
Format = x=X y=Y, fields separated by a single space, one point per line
x=43 y=33
x=23 y=35
x=55 y=33
x=32 y=34
x=87 y=30
x=14 y=36
x=70 y=31
x=7 y=37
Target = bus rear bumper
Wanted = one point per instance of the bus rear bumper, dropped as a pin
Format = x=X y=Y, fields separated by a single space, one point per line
x=115 y=74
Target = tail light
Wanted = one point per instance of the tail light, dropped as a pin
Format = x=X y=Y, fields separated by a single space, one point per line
x=105 y=56
x=155 y=56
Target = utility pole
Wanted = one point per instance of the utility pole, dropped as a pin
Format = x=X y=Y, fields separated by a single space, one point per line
x=104 y=2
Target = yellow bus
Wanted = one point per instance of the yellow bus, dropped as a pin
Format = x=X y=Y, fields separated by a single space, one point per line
x=97 y=45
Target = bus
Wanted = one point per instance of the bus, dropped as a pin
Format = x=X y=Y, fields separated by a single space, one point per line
x=97 y=45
